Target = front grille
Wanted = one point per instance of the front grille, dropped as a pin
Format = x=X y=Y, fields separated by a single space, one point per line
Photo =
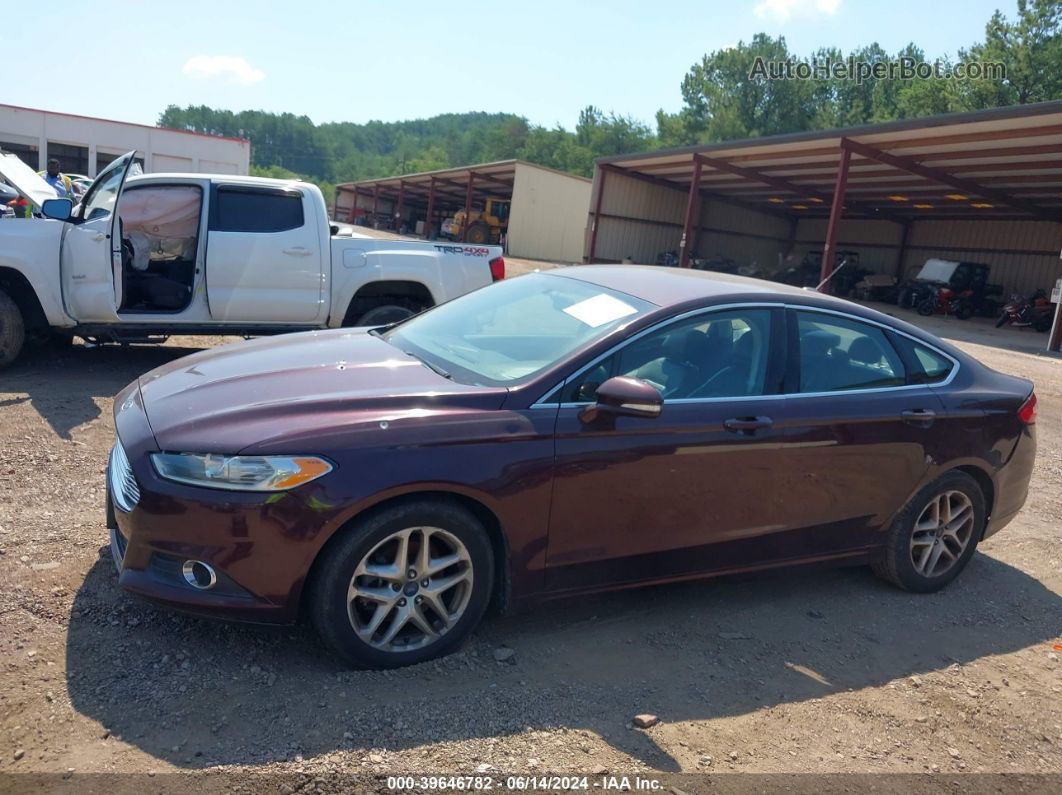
x=123 y=484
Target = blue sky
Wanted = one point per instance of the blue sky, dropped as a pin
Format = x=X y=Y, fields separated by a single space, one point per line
x=356 y=61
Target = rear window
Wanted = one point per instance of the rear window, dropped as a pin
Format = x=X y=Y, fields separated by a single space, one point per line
x=934 y=367
x=838 y=354
x=254 y=210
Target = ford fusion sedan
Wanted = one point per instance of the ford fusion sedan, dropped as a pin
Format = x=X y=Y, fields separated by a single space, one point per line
x=559 y=433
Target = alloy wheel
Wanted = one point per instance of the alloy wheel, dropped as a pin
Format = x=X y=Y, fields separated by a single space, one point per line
x=410 y=589
x=942 y=533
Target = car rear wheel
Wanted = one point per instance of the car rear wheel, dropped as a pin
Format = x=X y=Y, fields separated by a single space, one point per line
x=934 y=537
x=404 y=585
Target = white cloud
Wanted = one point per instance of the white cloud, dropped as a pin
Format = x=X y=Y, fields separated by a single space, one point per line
x=231 y=68
x=784 y=10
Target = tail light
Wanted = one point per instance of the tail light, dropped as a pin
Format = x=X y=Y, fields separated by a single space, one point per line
x=1027 y=412
x=497 y=269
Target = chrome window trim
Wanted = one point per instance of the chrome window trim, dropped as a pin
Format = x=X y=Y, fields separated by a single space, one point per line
x=539 y=404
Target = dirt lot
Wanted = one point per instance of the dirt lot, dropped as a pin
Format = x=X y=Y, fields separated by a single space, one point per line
x=811 y=671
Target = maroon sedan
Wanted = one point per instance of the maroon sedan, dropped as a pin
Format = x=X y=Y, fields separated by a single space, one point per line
x=558 y=433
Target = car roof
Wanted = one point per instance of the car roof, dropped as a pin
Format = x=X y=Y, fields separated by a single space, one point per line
x=665 y=286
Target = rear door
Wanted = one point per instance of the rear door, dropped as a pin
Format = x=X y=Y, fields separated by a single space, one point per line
x=91 y=255
x=859 y=433
x=265 y=258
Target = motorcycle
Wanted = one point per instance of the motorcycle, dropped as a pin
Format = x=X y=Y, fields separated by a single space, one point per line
x=1021 y=312
x=946 y=301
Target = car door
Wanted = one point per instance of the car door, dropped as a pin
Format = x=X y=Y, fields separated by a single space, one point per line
x=265 y=259
x=692 y=489
x=91 y=253
x=858 y=432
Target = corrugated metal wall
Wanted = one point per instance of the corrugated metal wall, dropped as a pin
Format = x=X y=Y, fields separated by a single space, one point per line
x=878 y=242
x=1024 y=255
x=640 y=220
x=742 y=235
x=546 y=220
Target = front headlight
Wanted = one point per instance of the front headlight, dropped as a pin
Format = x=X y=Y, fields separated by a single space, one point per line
x=240 y=472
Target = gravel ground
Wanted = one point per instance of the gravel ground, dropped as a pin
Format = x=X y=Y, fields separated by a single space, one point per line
x=786 y=672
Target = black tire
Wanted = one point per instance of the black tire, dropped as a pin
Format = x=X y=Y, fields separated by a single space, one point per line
x=12 y=330
x=385 y=314
x=479 y=234
x=1042 y=324
x=927 y=307
x=328 y=591
x=896 y=564
x=1002 y=319
x=964 y=311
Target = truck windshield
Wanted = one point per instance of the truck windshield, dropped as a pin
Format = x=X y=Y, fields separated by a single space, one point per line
x=509 y=332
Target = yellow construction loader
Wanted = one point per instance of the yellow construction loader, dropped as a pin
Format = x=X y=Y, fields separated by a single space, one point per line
x=486 y=226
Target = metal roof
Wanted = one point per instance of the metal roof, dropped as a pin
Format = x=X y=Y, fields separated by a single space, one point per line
x=998 y=163
x=490 y=180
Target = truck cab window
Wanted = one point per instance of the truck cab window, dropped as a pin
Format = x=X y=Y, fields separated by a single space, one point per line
x=237 y=209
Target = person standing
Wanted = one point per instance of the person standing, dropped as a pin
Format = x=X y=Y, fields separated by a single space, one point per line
x=64 y=188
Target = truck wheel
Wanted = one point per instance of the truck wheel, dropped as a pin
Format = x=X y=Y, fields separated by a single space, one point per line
x=384 y=315
x=12 y=330
x=478 y=234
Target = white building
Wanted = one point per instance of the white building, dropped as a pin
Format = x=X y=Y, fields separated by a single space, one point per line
x=84 y=145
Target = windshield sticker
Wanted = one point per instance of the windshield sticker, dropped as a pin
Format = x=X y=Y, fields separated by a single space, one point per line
x=599 y=310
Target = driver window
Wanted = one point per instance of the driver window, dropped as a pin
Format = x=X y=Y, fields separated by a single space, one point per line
x=714 y=355
x=99 y=202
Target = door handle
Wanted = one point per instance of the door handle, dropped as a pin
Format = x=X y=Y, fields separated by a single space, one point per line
x=921 y=417
x=98 y=237
x=747 y=425
x=298 y=251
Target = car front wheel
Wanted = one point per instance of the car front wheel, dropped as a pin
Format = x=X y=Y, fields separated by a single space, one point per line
x=404 y=585
x=935 y=535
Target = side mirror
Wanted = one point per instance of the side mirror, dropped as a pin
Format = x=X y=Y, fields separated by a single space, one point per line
x=625 y=397
x=59 y=209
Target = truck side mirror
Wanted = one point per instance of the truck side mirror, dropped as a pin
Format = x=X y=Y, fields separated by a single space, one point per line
x=59 y=209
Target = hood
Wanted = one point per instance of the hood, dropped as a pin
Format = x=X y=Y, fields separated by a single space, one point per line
x=25 y=180
x=276 y=390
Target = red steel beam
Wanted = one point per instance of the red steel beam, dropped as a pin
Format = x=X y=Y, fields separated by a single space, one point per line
x=353 y=206
x=692 y=202
x=944 y=178
x=784 y=184
x=468 y=207
x=401 y=201
x=836 y=209
x=428 y=223
x=597 y=215
x=666 y=183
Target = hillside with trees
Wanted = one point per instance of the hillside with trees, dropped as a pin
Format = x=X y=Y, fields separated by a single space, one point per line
x=723 y=98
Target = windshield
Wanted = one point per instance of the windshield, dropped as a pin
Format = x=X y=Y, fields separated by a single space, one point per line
x=514 y=329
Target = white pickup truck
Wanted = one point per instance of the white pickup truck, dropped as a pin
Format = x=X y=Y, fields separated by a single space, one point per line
x=207 y=254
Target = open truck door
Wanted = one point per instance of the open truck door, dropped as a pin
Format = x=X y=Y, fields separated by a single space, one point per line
x=91 y=256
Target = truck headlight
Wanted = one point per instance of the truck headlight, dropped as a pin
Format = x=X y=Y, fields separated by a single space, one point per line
x=240 y=472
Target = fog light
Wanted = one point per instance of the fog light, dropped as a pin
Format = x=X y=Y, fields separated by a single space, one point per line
x=199 y=575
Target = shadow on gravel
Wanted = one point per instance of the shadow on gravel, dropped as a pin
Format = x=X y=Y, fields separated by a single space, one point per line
x=197 y=693
x=63 y=384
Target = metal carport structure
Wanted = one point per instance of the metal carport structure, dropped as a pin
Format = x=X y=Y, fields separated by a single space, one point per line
x=1002 y=166
x=546 y=219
